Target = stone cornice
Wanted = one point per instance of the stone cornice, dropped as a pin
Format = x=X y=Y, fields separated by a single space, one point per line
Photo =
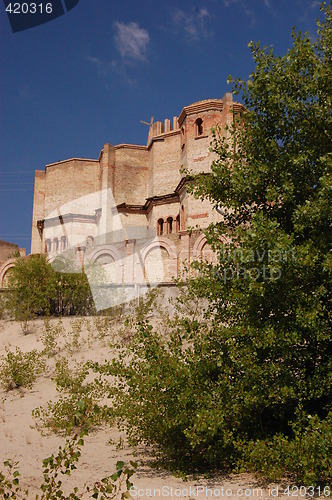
x=182 y=184
x=154 y=201
x=164 y=199
x=70 y=217
x=161 y=200
x=125 y=208
x=237 y=107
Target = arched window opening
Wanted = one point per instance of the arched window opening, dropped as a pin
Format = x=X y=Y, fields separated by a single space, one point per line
x=55 y=244
x=183 y=139
x=104 y=259
x=169 y=225
x=63 y=243
x=199 y=126
x=90 y=241
x=177 y=223
x=160 y=227
x=183 y=220
x=6 y=278
x=48 y=245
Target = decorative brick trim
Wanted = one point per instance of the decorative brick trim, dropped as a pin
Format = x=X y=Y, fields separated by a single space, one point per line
x=200 y=158
x=198 y=216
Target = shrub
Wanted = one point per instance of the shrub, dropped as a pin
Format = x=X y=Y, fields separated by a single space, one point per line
x=20 y=369
x=3 y=304
x=50 y=336
x=307 y=456
x=32 y=284
x=37 y=289
x=77 y=395
x=166 y=392
x=72 y=295
x=192 y=395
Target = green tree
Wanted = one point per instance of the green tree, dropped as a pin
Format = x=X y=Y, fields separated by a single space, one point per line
x=272 y=182
x=37 y=288
x=33 y=285
x=250 y=381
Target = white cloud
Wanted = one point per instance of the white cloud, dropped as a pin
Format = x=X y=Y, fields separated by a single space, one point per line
x=227 y=3
x=96 y=61
x=245 y=4
x=102 y=66
x=193 y=23
x=131 y=41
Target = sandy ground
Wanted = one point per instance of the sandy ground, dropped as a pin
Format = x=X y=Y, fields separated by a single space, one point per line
x=21 y=441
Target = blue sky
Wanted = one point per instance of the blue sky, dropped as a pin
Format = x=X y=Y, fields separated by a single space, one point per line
x=89 y=77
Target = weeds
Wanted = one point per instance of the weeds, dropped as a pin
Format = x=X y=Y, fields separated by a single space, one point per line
x=76 y=395
x=74 y=340
x=20 y=369
x=50 y=337
x=62 y=464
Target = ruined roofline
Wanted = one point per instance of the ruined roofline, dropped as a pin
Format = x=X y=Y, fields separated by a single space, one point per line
x=158 y=129
x=162 y=136
x=199 y=106
x=173 y=127
x=9 y=243
x=70 y=159
x=130 y=146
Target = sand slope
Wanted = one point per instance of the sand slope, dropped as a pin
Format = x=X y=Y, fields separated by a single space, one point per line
x=22 y=442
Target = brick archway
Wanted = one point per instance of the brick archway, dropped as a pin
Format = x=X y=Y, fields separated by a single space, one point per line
x=104 y=250
x=111 y=262
x=167 y=245
x=9 y=264
x=198 y=246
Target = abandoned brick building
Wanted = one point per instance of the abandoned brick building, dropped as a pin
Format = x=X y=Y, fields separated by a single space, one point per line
x=131 y=204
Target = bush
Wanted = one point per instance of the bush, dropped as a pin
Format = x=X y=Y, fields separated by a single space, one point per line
x=167 y=392
x=50 y=336
x=77 y=395
x=37 y=289
x=72 y=295
x=203 y=402
x=307 y=456
x=32 y=284
x=3 y=304
x=20 y=369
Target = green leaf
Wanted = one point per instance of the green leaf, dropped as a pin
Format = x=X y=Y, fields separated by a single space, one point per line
x=119 y=464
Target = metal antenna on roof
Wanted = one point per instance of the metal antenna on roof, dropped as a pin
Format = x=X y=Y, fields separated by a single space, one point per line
x=146 y=123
